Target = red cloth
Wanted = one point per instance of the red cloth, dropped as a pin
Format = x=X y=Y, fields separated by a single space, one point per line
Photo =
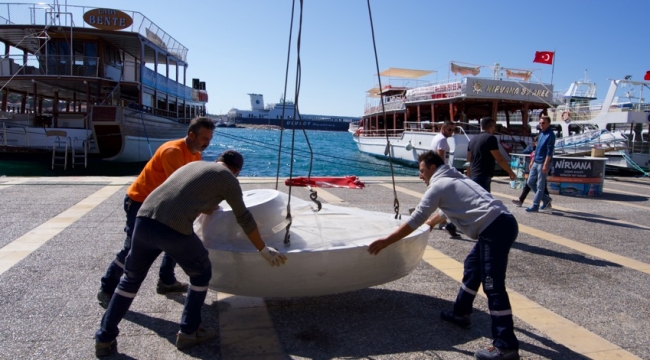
x=351 y=182
x=647 y=75
x=544 y=57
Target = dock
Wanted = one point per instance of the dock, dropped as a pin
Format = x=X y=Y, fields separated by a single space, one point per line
x=578 y=280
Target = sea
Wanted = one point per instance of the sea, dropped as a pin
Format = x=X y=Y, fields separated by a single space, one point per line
x=299 y=153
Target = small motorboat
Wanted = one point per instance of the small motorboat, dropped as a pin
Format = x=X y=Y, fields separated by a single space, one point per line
x=327 y=251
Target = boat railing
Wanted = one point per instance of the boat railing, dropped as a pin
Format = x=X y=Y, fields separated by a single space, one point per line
x=14 y=129
x=73 y=15
x=86 y=66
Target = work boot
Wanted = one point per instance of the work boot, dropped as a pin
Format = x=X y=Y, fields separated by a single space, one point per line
x=105 y=349
x=103 y=298
x=183 y=341
x=451 y=229
x=173 y=288
x=458 y=320
x=494 y=353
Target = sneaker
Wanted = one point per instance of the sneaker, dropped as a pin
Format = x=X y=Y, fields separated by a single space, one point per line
x=451 y=229
x=184 y=341
x=532 y=209
x=494 y=353
x=173 y=288
x=105 y=349
x=462 y=321
x=547 y=206
x=517 y=202
x=103 y=298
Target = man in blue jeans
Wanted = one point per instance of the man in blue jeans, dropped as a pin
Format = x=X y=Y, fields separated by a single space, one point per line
x=165 y=223
x=540 y=165
x=480 y=216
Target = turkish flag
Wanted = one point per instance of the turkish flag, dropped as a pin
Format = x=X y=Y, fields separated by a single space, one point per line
x=544 y=57
x=647 y=75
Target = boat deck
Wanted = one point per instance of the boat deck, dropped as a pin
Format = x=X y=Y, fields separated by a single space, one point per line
x=578 y=279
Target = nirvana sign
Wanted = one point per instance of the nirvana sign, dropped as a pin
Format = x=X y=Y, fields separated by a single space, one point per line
x=578 y=167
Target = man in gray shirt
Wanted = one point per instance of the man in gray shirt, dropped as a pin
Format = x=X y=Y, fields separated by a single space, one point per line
x=479 y=215
x=165 y=223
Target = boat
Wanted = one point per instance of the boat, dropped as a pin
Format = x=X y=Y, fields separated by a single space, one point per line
x=91 y=80
x=616 y=127
x=324 y=256
x=402 y=117
x=283 y=115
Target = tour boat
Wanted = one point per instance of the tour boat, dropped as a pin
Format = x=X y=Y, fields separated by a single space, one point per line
x=108 y=83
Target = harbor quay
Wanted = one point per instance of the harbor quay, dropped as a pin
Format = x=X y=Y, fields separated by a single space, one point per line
x=578 y=280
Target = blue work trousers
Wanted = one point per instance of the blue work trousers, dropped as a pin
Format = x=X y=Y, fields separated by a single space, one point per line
x=486 y=264
x=115 y=270
x=150 y=238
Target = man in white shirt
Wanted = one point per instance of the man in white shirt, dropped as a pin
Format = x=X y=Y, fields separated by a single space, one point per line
x=440 y=146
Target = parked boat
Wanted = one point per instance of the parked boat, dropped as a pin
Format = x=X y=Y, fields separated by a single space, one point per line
x=91 y=79
x=402 y=119
x=617 y=127
x=283 y=114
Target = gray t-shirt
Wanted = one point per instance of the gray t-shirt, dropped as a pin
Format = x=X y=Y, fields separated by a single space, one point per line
x=195 y=188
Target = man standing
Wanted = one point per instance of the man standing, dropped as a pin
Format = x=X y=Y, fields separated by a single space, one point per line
x=168 y=158
x=483 y=152
x=540 y=165
x=440 y=146
x=165 y=223
x=481 y=217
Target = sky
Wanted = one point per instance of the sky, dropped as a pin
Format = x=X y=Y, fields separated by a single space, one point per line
x=240 y=46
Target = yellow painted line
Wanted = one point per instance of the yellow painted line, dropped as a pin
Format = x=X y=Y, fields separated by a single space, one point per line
x=246 y=330
x=556 y=327
x=20 y=248
x=11 y=183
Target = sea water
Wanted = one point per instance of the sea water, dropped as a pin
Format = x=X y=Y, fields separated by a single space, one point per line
x=324 y=153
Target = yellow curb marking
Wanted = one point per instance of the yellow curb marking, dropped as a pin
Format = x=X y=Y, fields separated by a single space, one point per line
x=556 y=327
x=246 y=329
x=20 y=248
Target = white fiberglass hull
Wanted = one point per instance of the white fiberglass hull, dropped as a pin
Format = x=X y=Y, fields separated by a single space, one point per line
x=328 y=253
x=37 y=138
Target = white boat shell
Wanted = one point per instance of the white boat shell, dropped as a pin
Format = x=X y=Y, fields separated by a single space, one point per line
x=328 y=253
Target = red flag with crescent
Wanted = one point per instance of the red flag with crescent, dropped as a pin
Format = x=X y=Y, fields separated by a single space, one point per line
x=647 y=75
x=544 y=57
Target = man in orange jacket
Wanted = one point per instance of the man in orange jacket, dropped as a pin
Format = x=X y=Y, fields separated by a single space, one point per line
x=169 y=157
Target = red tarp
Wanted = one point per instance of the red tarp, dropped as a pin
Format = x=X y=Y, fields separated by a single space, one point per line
x=351 y=182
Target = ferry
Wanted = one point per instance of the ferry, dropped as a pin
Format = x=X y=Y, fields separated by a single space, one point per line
x=402 y=116
x=284 y=115
x=83 y=82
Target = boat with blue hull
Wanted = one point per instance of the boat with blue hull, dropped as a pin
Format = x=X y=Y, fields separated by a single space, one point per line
x=283 y=114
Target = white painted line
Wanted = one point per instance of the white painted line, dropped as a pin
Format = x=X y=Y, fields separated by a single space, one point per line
x=20 y=248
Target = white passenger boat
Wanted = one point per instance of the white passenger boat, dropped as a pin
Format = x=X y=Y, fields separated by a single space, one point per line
x=617 y=127
x=92 y=79
x=327 y=253
x=401 y=120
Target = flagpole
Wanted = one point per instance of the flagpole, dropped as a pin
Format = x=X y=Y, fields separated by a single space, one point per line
x=553 y=67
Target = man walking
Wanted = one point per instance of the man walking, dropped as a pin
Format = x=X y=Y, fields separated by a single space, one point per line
x=540 y=165
x=481 y=217
x=483 y=153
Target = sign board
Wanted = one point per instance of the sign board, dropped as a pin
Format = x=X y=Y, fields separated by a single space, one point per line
x=108 y=19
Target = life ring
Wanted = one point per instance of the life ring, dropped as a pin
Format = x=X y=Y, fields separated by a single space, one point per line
x=566 y=116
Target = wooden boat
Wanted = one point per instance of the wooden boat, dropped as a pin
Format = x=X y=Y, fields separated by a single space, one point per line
x=91 y=79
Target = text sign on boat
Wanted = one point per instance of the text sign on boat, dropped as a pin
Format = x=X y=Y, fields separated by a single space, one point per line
x=108 y=19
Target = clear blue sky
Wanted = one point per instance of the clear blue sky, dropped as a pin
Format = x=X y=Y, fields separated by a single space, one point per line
x=240 y=46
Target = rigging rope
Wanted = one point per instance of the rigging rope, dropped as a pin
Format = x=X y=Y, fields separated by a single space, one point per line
x=383 y=110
